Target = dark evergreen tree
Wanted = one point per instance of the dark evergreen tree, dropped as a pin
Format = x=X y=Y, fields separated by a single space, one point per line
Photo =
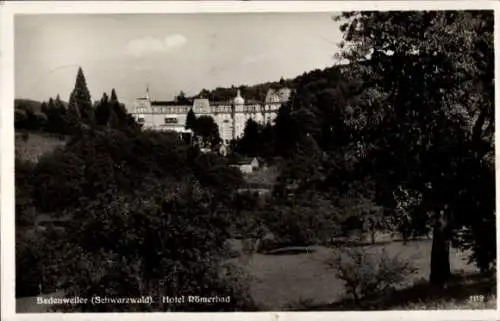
x=249 y=144
x=103 y=111
x=80 y=110
x=46 y=106
x=286 y=133
x=181 y=98
x=190 y=120
x=59 y=116
x=118 y=117
x=114 y=97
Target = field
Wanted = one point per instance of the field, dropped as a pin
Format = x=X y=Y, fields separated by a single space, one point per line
x=31 y=146
x=304 y=282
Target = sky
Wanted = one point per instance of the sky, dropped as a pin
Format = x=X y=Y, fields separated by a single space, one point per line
x=168 y=52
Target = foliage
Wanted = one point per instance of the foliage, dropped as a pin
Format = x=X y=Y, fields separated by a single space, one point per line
x=111 y=113
x=249 y=144
x=304 y=164
x=255 y=92
x=415 y=118
x=55 y=111
x=35 y=116
x=190 y=120
x=24 y=191
x=182 y=99
x=208 y=131
x=153 y=243
x=309 y=219
x=80 y=106
x=29 y=119
x=211 y=171
x=38 y=260
x=58 y=181
x=368 y=274
x=97 y=177
x=102 y=111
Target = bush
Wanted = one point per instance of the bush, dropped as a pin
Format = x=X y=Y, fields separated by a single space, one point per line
x=368 y=274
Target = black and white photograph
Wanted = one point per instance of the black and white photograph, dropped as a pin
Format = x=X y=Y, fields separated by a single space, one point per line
x=253 y=161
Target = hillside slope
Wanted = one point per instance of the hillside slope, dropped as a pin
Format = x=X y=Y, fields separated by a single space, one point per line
x=30 y=146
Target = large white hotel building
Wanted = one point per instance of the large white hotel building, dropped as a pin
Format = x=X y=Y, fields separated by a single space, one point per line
x=230 y=116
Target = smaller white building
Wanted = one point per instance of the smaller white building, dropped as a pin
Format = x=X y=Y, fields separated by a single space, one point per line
x=247 y=165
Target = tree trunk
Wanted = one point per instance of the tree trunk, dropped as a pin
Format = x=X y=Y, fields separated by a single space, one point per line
x=440 y=255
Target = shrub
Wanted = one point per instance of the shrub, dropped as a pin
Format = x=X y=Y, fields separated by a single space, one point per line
x=367 y=274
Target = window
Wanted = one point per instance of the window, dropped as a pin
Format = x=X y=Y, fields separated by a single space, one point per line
x=140 y=120
x=226 y=120
x=170 y=120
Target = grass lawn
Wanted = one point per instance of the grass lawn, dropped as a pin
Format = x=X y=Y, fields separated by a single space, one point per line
x=288 y=281
x=303 y=282
x=36 y=145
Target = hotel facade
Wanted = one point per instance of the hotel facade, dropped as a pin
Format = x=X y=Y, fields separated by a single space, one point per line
x=230 y=116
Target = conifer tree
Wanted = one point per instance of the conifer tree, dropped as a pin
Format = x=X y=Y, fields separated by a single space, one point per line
x=59 y=114
x=190 y=120
x=102 y=111
x=113 y=98
x=250 y=142
x=118 y=114
x=45 y=107
x=80 y=108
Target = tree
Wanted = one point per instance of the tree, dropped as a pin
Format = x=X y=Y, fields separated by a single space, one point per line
x=305 y=121
x=59 y=116
x=431 y=122
x=304 y=165
x=204 y=93
x=190 y=120
x=206 y=128
x=118 y=117
x=285 y=131
x=181 y=98
x=103 y=111
x=80 y=110
x=249 y=144
x=267 y=149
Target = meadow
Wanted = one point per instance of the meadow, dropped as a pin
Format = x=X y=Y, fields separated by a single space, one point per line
x=302 y=281
x=30 y=146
